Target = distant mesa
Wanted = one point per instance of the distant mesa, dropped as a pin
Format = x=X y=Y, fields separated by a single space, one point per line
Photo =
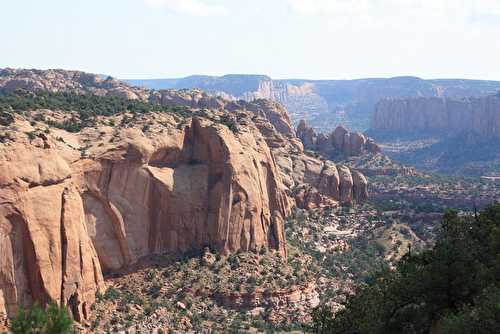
x=447 y=115
x=319 y=101
x=441 y=134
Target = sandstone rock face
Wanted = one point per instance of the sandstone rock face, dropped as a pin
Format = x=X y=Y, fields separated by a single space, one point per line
x=274 y=113
x=360 y=186
x=206 y=188
x=340 y=143
x=65 y=219
x=346 y=184
x=76 y=205
x=481 y=115
x=47 y=254
x=306 y=134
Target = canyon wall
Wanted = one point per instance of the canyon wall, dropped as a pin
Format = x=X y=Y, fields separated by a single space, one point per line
x=325 y=103
x=64 y=217
x=480 y=115
x=75 y=206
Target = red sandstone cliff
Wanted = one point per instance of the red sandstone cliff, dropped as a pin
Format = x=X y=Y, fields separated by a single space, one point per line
x=75 y=205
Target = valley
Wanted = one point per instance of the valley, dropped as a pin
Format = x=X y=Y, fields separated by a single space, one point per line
x=250 y=167
x=327 y=103
x=178 y=211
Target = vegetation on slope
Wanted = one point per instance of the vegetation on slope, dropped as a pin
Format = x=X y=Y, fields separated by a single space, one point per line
x=87 y=106
x=205 y=292
x=51 y=320
x=452 y=288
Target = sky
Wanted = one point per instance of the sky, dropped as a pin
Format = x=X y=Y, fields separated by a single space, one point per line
x=308 y=39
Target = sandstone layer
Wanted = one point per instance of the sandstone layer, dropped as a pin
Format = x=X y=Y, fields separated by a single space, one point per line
x=442 y=115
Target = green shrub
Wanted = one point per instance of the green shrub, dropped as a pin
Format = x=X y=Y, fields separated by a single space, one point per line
x=451 y=288
x=111 y=294
x=52 y=320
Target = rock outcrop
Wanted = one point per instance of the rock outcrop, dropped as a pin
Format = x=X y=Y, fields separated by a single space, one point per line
x=441 y=115
x=312 y=182
x=47 y=254
x=270 y=117
x=61 y=80
x=65 y=219
x=339 y=143
x=295 y=297
x=77 y=205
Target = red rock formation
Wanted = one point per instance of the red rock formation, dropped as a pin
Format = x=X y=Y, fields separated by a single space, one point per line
x=75 y=205
x=305 y=296
x=63 y=216
x=47 y=254
x=340 y=142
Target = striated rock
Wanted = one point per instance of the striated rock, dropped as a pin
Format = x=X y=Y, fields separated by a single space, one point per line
x=47 y=254
x=315 y=100
x=274 y=112
x=312 y=182
x=306 y=296
x=205 y=188
x=443 y=115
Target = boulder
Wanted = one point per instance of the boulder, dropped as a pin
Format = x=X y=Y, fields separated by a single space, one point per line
x=346 y=184
x=360 y=186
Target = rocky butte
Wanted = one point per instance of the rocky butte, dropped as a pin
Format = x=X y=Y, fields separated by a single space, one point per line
x=91 y=181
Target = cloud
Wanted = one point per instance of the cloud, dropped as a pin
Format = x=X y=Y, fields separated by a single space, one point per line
x=319 y=7
x=191 y=7
x=398 y=9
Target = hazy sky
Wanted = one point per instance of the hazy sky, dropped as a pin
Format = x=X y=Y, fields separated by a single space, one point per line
x=316 y=39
